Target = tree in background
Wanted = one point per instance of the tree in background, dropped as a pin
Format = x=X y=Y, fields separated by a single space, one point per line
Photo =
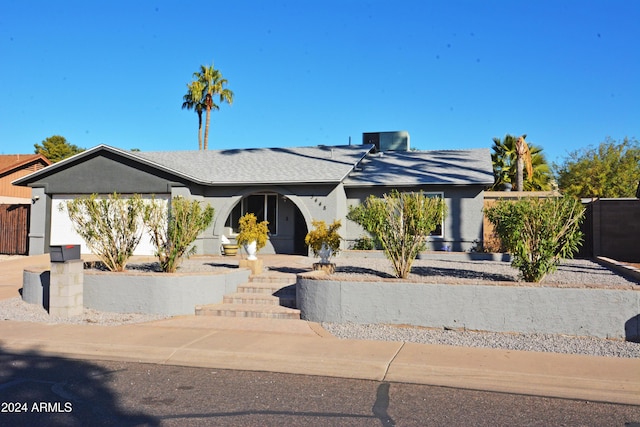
x=194 y=100
x=56 y=148
x=212 y=84
x=505 y=165
x=610 y=170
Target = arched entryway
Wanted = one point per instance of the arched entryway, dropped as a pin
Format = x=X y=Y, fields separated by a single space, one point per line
x=287 y=224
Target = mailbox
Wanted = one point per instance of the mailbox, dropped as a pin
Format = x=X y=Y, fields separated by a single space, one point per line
x=62 y=253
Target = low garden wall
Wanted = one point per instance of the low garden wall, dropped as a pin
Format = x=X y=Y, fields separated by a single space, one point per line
x=600 y=312
x=150 y=293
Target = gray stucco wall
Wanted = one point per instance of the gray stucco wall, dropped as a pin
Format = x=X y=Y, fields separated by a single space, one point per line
x=604 y=313
x=312 y=201
x=462 y=225
x=105 y=173
x=39 y=222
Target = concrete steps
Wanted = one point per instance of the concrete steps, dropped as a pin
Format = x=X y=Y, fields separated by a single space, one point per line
x=248 y=310
x=267 y=295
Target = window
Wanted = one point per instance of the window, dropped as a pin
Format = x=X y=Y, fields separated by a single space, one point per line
x=264 y=206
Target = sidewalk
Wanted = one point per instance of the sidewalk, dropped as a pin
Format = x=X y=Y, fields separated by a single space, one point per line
x=300 y=347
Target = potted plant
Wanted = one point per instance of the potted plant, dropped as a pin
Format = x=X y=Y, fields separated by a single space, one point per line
x=253 y=234
x=324 y=241
x=228 y=248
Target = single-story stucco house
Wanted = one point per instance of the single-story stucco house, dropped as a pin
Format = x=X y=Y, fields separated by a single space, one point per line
x=289 y=187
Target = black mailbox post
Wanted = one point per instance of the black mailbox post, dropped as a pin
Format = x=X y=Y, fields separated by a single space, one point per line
x=62 y=253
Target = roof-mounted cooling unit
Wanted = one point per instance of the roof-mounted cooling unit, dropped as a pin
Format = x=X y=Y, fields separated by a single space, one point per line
x=388 y=141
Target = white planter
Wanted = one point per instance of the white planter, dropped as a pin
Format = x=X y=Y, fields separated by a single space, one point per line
x=251 y=250
x=325 y=253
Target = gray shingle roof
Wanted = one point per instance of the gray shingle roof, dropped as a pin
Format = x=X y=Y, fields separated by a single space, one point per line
x=308 y=165
x=400 y=168
x=321 y=164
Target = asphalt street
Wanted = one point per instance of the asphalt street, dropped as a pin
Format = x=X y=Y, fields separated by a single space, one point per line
x=49 y=391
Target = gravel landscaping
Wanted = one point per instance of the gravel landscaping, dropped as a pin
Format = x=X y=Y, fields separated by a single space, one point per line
x=526 y=342
x=18 y=310
x=575 y=272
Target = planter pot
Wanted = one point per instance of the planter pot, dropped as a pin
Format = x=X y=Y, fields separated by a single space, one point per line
x=325 y=253
x=328 y=268
x=251 y=250
x=229 y=249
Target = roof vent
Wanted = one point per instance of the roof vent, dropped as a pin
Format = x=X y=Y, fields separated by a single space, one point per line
x=388 y=141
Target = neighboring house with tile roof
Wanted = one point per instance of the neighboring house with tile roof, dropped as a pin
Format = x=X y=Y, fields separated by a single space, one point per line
x=289 y=187
x=14 y=166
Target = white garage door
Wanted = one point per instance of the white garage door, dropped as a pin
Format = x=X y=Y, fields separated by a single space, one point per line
x=62 y=232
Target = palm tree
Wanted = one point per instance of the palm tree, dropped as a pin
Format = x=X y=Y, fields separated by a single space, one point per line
x=542 y=177
x=523 y=157
x=505 y=166
x=213 y=84
x=193 y=100
x=502 y=160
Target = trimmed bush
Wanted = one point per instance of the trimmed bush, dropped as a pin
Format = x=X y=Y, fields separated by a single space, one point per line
x=173 y=230
x=401 y=222
x=538 y=232
x=111 y=227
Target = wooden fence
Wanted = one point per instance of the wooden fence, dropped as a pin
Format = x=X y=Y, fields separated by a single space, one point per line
x=14 y=229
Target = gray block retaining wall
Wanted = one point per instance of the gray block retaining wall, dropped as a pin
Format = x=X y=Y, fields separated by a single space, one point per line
x=151 y=293
x=604 y=313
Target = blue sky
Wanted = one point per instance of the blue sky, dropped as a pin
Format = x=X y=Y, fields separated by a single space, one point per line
x=454 y=74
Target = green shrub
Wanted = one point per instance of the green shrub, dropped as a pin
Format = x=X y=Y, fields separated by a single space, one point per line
x=401 y=222
x=364 y=243
x=173 y=229
x=538 y=232
x=111 y=227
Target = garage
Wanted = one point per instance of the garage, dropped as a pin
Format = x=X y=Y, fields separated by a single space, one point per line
x=62 y=231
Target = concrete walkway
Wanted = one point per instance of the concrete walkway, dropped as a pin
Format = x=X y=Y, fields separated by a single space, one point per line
x=300 y=347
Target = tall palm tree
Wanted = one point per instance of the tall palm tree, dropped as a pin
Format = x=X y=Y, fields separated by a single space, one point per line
x=193 y=100
x=505 y=166
x=214 y=84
